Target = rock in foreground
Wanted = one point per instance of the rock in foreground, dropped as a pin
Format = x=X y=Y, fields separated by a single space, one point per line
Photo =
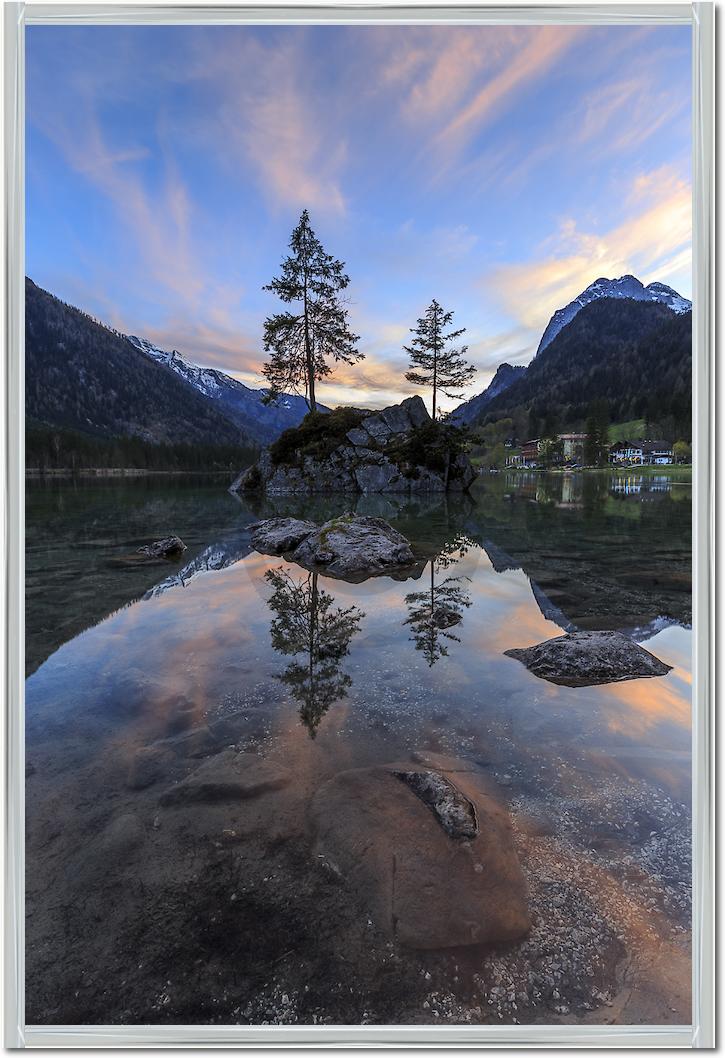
x=399 y=449
x=277 y=536
x=583 y=659
x=348 y=547
x=351 y=546
x=429 y=854
x=166 y=548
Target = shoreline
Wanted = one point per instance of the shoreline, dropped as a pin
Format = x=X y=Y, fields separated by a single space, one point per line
x=119 y=472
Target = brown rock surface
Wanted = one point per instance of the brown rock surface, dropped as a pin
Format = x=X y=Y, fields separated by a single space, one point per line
x=228 y=776
x=430 y=890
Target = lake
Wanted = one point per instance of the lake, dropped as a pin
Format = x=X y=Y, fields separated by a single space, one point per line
x=145 y=910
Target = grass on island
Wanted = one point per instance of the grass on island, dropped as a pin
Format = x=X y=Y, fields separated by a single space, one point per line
x=318 y=435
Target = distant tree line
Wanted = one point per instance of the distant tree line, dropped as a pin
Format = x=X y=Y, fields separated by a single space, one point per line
x=49 y=448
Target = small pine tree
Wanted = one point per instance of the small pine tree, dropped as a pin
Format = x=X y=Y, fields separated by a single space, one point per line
x=301 y=343
x=432 y=363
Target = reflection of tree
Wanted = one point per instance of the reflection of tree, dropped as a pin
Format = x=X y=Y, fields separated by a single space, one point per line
x=305 y=623
x=434 y=612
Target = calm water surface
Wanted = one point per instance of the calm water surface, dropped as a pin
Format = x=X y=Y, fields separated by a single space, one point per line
x=129 y=903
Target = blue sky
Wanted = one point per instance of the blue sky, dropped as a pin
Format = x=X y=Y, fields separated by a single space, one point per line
x=498 y=169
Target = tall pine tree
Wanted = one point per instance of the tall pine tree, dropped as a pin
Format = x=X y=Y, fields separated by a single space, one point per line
x=432 y=361
x=301 y=343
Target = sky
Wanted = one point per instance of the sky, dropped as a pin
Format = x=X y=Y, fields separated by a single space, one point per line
x=498 y=169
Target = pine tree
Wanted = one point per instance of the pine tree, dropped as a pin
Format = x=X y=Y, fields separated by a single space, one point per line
x=431 y=362
x=301 y=343
x=596 y=445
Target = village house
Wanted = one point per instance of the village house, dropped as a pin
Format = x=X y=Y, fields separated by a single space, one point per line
x=572 y=446
x=642 y=453
x=530 y=452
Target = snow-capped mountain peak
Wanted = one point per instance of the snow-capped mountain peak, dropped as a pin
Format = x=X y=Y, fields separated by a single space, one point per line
x=626 y=286
x=241 y=404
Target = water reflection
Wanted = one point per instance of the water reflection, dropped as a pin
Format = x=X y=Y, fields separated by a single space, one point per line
x=596 y=779
x=307 y=626
x=432 y=613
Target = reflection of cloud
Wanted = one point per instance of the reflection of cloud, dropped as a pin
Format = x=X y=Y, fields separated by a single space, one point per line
x=632 y=708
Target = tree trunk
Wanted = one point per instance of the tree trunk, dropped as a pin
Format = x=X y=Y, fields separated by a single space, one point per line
x=435 y=361
x=308 y=356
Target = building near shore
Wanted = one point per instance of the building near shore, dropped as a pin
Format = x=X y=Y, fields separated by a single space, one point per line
x=641 y=453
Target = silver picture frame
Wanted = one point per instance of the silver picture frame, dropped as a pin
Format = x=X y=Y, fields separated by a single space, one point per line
x=701 y=1033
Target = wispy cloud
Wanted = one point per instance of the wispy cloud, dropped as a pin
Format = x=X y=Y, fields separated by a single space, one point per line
x=536 y=54
x=267 y=115
x=652 y=240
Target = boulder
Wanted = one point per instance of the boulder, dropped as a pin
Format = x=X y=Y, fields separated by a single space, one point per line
x=230 y=776
x=428 y=853
x=275 y=536
x=166 y=548
x=358 y=437
x=583 y=659
x=351 y=547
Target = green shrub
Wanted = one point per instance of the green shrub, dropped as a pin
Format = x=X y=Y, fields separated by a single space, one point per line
x=433 y=445
x=318 y=435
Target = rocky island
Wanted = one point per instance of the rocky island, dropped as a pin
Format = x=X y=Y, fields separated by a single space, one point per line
x=399 y=449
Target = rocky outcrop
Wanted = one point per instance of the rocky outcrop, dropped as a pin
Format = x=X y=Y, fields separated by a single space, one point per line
x=583 y=659
x=428 y=852
x=348 y=547
x=370 y=458
x=169 y=547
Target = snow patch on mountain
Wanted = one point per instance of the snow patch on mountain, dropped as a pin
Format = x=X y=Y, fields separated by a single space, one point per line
x=241 y=404
x=625 y=287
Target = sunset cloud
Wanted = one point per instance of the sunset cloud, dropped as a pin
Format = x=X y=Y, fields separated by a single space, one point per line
x=653 y=242
x=499 y=169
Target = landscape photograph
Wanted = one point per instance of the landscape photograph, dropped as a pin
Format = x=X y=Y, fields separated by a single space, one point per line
x=358 y=525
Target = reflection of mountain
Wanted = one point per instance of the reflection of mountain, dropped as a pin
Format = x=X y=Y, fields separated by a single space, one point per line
x=434 y=612
x=216 y=556
x=306 y=626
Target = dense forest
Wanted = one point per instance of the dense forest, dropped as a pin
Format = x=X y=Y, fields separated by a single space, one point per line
x=635 y=356
x=51 y=448
x=81 y=376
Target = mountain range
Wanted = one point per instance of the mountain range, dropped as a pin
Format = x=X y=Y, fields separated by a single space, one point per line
x=88 y=378
x=240 y=404
x=618 y=341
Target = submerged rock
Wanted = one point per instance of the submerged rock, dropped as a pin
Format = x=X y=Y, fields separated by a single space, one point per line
x=148 y=765
x=454 y=812
x=430 y=853
x=583 y=659
x=229 y=776
x=166 y=548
